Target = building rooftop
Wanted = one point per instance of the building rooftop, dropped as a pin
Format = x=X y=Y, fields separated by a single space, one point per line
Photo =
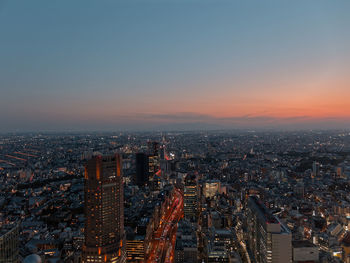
x=302 y=243
x=269 y=218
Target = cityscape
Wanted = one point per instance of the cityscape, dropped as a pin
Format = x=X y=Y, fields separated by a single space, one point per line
x=174 y=131
x=219 y=196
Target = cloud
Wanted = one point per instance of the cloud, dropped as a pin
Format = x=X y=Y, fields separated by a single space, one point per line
x=191 y=119
x=170 y=121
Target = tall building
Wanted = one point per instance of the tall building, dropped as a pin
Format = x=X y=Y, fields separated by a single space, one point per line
x=211 y=188
x=219 y=245
x=299 y=190
x=9 y=243
x=153 y=148
x=186 y=245
x=142 y=169
x=270 y=241
x=135 y=249
x=153 y=158
x=154 y=171
x=316 y=169
x=340 y=171
x=305 y=252
x=104 y=210
x=153 y=164
x=190 y=197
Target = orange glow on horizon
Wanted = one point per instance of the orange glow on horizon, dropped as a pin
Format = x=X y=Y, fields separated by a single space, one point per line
x=293 y=98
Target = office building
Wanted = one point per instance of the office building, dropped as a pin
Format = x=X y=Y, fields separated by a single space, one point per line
x=9 y=241
x=190 y=197
x=305 y=252
x=153 y=148
x=211 y=188
x=316 y=169
x=270 y=241
x=135 y=249
x=142 y=169
x=104 y=210
x=186 y=246
x=153 y=164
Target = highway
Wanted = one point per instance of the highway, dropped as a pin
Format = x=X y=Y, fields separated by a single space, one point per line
x=245 y=251
x=163 y=243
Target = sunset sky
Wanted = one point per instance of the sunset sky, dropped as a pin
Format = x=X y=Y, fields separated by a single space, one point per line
x=174 y=64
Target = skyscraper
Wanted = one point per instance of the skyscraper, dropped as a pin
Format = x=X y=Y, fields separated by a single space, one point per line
x=269 y=239
x=190 y=197
x=142 y=169
x=153 y=158
x=316 y=168
x=104 y=210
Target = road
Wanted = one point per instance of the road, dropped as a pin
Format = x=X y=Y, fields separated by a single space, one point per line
x=245 y=251
x=163 y=243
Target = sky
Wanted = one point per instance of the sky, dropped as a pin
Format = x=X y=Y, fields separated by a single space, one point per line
x=174 y=64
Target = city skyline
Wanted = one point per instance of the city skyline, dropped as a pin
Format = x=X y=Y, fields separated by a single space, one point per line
x=274 y=197
x=174 y=65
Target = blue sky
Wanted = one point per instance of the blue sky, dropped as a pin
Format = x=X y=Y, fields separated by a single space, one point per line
x=122 y=64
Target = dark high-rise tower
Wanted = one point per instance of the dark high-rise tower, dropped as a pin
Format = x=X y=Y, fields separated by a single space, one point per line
x=104 y=210
x=142 y=169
